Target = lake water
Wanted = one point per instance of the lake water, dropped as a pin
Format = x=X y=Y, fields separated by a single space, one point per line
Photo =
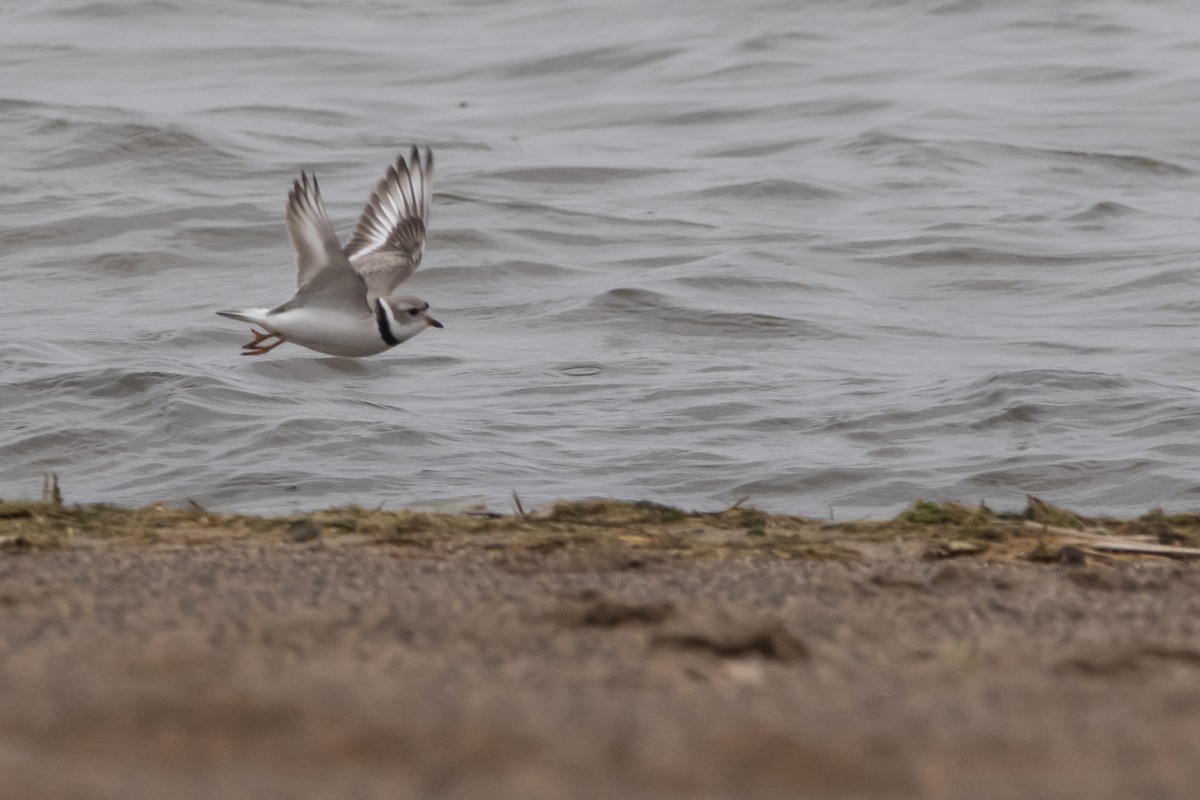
x=832 y=256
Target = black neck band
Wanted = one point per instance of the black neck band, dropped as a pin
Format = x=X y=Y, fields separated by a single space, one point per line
x=385 y=330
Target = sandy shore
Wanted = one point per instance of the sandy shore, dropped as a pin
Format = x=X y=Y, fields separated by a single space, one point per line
x=603 y=650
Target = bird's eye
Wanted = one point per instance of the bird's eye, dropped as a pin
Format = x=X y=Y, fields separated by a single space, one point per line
x=412 y=312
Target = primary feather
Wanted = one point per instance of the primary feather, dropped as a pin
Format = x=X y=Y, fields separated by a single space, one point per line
x=324 y=276
x=389 y=239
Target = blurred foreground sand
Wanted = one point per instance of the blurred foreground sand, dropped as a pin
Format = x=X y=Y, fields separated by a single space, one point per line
x=615 y=651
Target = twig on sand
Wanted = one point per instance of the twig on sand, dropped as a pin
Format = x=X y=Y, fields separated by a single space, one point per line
x=737 y=503
x=1104 y=540
x=50 y=492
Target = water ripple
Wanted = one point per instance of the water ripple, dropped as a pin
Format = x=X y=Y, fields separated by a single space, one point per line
x=857 y=255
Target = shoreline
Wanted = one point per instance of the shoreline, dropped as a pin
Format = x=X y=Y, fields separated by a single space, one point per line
x=937 y=530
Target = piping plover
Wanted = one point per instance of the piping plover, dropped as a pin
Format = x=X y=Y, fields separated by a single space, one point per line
x=343 y=304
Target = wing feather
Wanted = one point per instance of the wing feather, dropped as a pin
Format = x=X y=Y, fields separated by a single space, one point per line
x=324 y=276
x=389 y=239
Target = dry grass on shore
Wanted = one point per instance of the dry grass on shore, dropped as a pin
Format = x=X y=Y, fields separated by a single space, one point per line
x=629 y=530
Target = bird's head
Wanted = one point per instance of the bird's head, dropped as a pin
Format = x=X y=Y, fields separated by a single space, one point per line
x=402 y=318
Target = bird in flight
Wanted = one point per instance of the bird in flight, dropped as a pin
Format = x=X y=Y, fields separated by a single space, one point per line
x=343 y=305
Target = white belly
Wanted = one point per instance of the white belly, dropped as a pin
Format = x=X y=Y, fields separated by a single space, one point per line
x=328 y=332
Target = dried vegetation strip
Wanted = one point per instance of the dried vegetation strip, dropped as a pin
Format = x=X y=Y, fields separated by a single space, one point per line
x=631 y=531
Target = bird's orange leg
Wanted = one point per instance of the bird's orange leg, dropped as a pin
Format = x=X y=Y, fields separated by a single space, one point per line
x=257 y=348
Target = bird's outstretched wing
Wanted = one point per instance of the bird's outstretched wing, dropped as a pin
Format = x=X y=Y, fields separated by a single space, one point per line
x=389 y=238
x=324 y=276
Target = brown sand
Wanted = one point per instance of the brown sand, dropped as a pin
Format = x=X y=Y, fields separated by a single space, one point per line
x=605 y=652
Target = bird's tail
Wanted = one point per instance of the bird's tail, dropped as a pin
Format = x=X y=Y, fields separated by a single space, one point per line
x=252 y=315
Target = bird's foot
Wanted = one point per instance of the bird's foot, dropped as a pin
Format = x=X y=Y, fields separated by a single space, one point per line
x=257 y=348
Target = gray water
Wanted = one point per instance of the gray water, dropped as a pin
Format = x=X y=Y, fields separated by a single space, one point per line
x=833 y=256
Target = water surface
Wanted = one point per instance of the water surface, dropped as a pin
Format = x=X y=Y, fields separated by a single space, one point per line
x=830 y=256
